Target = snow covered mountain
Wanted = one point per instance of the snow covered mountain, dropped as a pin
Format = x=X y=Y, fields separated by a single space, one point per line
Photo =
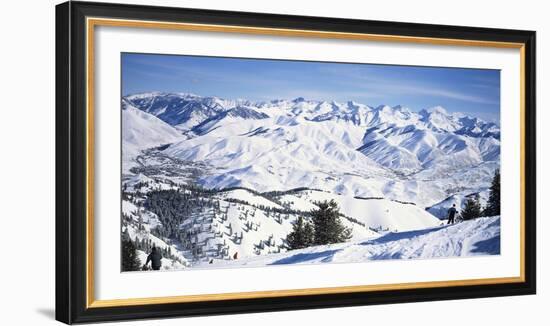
x=182 y=111
x=205 y=178
x=142 y=130
x=347 y=148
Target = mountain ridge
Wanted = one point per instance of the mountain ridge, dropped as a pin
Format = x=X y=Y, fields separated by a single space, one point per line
x=161 y=103
x=348 y=148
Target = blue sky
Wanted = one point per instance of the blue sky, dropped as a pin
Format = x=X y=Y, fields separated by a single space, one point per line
x=474 y=91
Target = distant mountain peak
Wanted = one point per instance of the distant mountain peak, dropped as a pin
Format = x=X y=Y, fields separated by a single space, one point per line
x=383 y=107
x=438 y=110
x=244 y=112
x=186 y=111
x=401 y=108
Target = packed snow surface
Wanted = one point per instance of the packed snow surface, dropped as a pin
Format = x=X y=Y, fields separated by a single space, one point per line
x=469 y=238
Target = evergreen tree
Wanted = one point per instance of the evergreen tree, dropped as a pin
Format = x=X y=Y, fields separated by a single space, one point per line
x=130 y=260
x=493 y=204
x=309 y=234
x=301 y=235
x=472 y=209
x=327 y=225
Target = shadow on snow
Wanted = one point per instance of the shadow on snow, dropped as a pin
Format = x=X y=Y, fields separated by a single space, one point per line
x=305 y=257
x=488 y=246
x=390 y=237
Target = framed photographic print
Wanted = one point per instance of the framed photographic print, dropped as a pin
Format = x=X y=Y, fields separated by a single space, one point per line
x=212 y=162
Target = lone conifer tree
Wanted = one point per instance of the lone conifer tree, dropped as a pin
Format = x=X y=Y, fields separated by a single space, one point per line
x=130 y=260
x=327 y=225
x=301 y=235
x=472 y=209
x=493 y=204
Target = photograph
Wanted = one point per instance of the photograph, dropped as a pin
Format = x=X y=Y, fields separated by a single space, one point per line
x=222 y=161
x=246 y=162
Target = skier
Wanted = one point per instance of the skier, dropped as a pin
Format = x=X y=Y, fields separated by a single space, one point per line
x=451 y=214
x=236 y=256
x=155 y=257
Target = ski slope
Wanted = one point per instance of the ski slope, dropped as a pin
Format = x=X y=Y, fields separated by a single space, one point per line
x=469 y=238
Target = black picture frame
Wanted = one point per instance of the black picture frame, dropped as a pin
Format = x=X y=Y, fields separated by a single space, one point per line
x=71 y=158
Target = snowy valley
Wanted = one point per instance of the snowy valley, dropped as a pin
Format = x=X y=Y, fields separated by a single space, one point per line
x=216 y=182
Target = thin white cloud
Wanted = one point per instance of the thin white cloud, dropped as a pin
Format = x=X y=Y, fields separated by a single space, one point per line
x=361 y=83
x=428 y=90
x=369 y=80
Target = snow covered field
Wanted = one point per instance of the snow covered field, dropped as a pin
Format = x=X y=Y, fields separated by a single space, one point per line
x=470 y=238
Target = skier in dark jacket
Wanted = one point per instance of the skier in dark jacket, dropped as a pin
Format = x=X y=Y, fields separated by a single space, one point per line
x=451 y=214
x=155 y=258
